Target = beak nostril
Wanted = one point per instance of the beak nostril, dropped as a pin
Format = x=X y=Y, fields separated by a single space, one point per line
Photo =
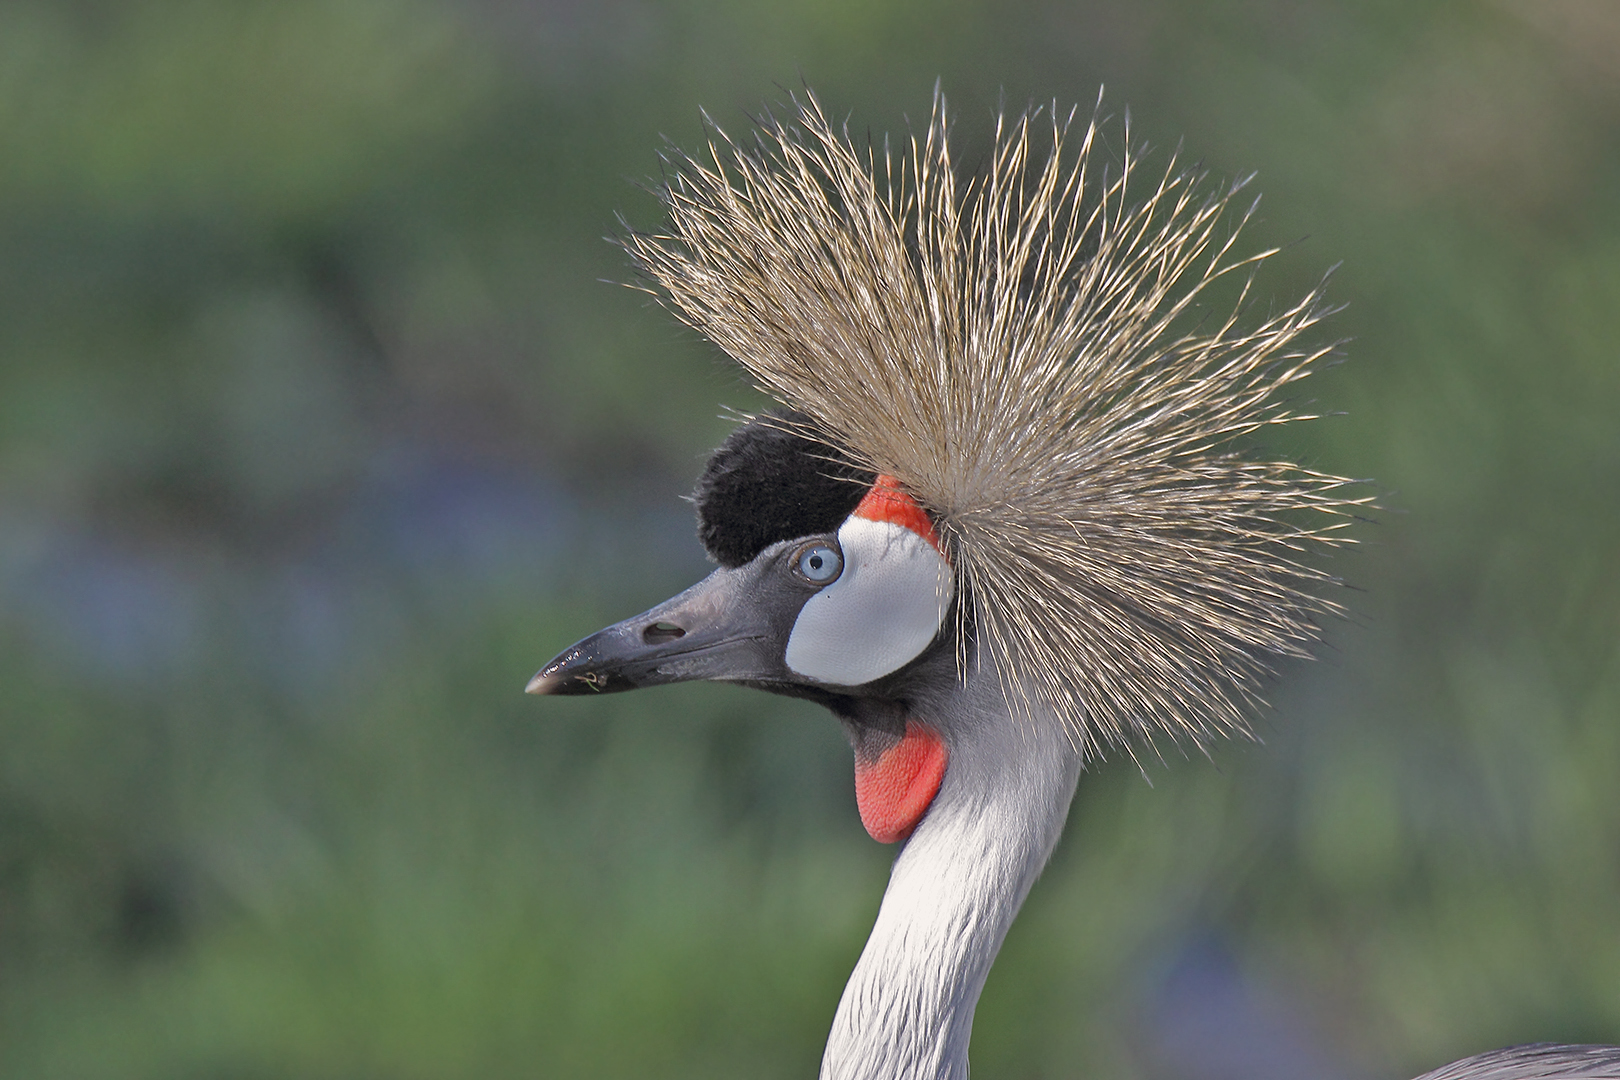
x=660 y=632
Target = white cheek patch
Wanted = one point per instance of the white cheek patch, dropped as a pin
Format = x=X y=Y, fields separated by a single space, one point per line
x=881 y=613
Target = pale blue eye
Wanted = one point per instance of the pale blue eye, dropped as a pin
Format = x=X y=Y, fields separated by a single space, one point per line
x=820 y=563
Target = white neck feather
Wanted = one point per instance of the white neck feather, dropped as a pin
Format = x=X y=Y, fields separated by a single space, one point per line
x=907 y=1011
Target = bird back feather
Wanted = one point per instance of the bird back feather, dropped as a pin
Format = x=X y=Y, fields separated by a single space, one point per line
x=1535 y=1061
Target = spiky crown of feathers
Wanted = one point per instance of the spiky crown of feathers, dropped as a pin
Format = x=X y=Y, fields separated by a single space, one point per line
x=1019 y=350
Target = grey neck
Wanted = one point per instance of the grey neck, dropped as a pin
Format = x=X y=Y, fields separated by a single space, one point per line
x=907 y=1011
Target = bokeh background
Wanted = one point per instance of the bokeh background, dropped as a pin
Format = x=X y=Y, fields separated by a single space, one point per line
x=323 y=424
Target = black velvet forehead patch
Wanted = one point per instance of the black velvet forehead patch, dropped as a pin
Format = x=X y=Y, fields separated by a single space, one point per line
x=774 y=478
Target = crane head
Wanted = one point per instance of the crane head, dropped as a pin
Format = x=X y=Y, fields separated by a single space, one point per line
x=1016 y=452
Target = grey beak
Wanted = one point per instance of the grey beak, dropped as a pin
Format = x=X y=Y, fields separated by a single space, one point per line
x=711 y=631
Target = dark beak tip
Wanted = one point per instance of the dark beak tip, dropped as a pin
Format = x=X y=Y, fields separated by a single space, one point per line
x=575 y=673
x=557 y=675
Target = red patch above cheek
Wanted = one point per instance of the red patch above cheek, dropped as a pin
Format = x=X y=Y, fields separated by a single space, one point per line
x=895 y=790
x=886 y=502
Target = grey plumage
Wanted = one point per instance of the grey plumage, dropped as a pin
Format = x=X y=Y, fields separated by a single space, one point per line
x=1023 y=351
x=1536 y=1061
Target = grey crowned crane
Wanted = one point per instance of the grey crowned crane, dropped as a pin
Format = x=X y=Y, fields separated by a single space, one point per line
x=1002 y=520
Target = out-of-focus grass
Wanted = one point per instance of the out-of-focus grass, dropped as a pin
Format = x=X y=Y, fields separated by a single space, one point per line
x=318 y=433
x=427 y=880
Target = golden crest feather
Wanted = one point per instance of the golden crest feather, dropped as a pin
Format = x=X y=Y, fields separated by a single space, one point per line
x=1020 y=350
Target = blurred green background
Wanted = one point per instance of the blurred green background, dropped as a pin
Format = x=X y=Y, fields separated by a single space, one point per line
x=322 y=425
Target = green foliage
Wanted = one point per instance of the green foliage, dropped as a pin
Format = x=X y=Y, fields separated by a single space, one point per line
x=319 y=432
